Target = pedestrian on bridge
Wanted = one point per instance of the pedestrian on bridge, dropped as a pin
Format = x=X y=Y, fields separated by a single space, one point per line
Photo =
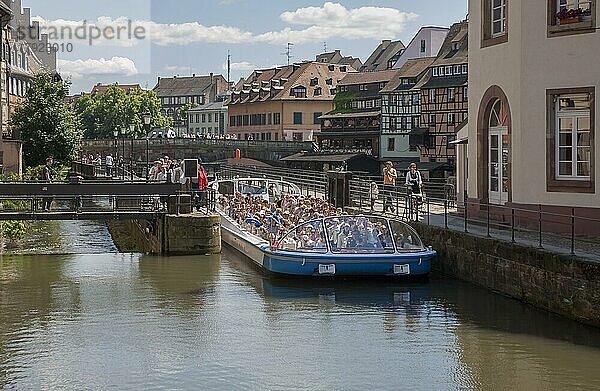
x=47 y=178
x=109 y=165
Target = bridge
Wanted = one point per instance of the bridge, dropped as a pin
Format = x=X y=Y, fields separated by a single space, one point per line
x=90 y=200
x=146 y=150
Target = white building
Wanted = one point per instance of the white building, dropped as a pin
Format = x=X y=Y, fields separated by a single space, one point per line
x=210 y=119
x=533 y=77
x=426 y=43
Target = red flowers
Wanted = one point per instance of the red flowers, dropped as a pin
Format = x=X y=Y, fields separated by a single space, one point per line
x=569 y=13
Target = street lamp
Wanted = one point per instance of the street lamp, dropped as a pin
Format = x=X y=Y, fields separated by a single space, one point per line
x=147 y=120
x=132 y=134
x=123 y=131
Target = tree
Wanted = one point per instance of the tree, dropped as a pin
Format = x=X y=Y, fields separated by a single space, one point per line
x=114 y=109
x=342 y=103
x=47 y=124
x=183 y=110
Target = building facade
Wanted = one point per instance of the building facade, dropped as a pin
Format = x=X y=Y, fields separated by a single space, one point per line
x=532 y=133
x=208 y=120
x=444 y=100
x=354 y=124
x=336 y=57
x=427 y=42
x=401 y=110
x=284 y=103
x=176 y=92
x=384 y=56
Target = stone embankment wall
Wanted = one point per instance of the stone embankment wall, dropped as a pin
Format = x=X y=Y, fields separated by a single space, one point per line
x=563 y=284
x=174 y=235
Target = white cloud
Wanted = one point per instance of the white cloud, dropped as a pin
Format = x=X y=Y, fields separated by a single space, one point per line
x=117 y=66
x=332 y=20
x=240 y=66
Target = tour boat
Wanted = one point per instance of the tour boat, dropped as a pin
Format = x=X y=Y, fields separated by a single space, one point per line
x=379 y=247
x=357 y=245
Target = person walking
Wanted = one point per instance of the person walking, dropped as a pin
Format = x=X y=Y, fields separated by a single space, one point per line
x=389 y=185
x=47 y=178
x=414 y=181
x=373 y=195
x=109 y=165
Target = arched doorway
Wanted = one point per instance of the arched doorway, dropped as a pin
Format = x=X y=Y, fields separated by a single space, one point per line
x=494 y=174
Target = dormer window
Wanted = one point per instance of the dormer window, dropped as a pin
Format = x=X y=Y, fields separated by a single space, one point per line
x=455 y=46
x=314 y=81
x=318 y=91
x=329 y=82
x=332 y=68
x=343 y=69
x=298 y=92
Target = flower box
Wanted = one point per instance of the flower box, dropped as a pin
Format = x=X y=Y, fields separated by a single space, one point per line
x=573 y=19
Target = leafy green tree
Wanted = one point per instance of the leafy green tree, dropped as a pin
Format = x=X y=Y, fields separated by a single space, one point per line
x=47 y=124
x=342 y=103
x=114 y=109
x=183 y=110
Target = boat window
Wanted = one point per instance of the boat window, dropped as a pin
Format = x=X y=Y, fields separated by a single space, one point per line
x=252 y=187
x=226 y=187
x=309 y=237
x=405 y=237
x=359 y=235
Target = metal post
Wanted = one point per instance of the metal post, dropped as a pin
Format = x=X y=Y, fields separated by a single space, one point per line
x=572 y=231
x=466 y=218
x=488 y=221
x=540 y=224
x=147 y=158
x=446 y=213
x=123 y=168
x=512 y=225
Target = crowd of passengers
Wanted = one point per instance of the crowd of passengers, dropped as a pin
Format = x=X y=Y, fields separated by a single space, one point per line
x=271 y=220
x=275 y=220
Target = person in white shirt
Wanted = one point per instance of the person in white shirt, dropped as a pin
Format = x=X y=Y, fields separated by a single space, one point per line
x=414 y=181
x=109 y=165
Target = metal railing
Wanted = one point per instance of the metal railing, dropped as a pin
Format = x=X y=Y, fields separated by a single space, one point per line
x=559 y=232
x=284 y=146
x=310 y=182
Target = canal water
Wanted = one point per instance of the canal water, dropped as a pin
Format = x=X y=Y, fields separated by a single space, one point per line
x=97 y=319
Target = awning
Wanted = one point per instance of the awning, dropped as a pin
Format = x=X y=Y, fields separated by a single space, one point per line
x=460 y=141
x=352 y=115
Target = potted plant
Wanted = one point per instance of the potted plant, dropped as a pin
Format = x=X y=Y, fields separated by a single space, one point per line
x=567 y=16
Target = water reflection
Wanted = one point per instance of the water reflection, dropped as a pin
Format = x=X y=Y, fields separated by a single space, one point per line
x=32 y=292
x=183 y=284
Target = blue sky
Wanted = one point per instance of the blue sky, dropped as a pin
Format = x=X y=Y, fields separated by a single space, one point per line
x=193 y=36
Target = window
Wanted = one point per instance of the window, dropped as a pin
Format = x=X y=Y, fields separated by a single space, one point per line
x=498 y=18
x=203 y=117
x=448 y=71
x=270 y=119
x=573 y=132
x=465 y=69
x=431 y=96
x=343 y=69
x=423 y=46
x=559 y=25
x=318 y=91
x=297 y=136
x=381 y=86
x=435 y=71
x=391 y=144
x=431 y=119
x=457 y=70
x=297 y=118
x=455 y=46
x=495 y=22
x=465 y=94
x=276 y=118
x=316 y=118
x=451 y=94
x=441 y=71
x=231 y=120
x=210 y=117
x=451 y=118
x=298 y=92
x=329 y=82
x=314 y=81
x=570 y=140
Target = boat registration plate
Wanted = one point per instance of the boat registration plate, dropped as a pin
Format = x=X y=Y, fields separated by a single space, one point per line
x=401 y=269
x=326 y=269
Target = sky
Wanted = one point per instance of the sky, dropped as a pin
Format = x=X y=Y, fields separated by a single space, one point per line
x=136 y=41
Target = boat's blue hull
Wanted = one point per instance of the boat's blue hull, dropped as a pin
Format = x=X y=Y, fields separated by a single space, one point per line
x=368 y=265
x=328 y=265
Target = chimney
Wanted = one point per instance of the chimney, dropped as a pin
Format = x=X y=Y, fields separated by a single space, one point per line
x=211 y=78
x=193 y=75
